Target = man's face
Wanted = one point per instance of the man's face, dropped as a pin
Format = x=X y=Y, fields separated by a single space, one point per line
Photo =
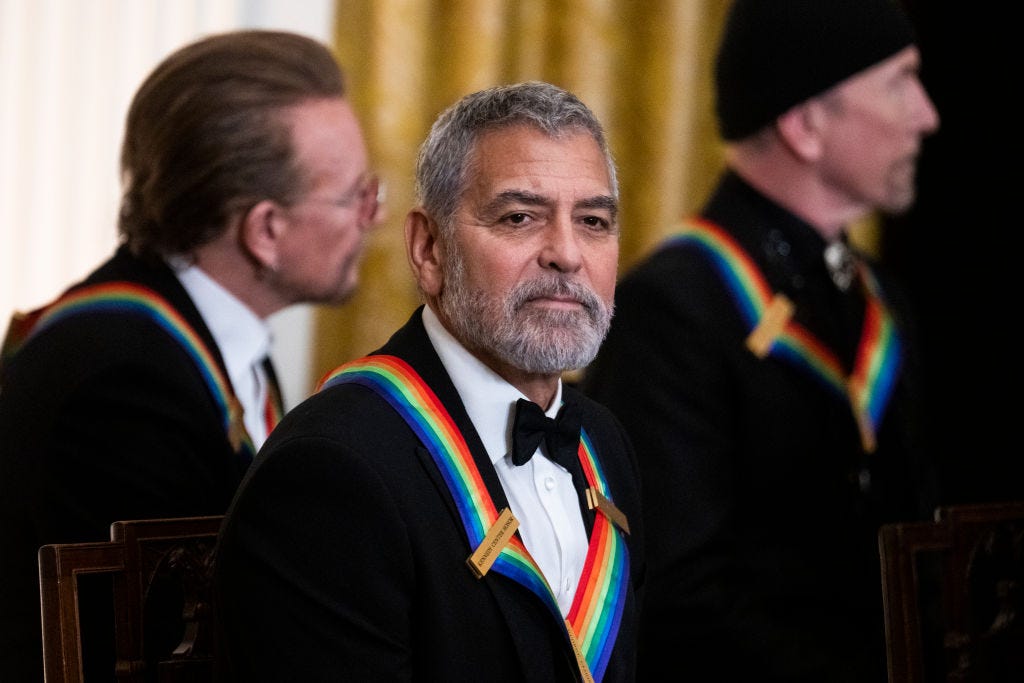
x=878 y=118
x=529 y=280
x=322 y=247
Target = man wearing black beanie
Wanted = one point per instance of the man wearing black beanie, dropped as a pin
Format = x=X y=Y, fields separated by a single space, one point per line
x=766 y=372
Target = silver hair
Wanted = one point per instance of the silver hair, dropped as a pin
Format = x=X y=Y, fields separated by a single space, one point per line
x=442 y=163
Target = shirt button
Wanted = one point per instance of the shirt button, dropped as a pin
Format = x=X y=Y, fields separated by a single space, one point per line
x=568 y=585
x=549 y=483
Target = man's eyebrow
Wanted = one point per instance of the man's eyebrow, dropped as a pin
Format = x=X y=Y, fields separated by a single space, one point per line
x=599 y=202
x=517 y=196
x=605 y=202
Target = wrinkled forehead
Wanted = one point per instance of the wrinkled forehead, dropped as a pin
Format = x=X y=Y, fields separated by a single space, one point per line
x=500 y=148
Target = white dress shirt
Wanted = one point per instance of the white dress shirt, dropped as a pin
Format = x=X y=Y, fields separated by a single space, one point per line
x=540 y=493
x=243 y=338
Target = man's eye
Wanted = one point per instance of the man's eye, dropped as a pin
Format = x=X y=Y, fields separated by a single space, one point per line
x=517 y=218
x=597 y=222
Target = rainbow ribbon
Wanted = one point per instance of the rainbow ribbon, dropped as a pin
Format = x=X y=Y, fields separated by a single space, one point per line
x=596 y=613
x=133 y=299
x=871 y=384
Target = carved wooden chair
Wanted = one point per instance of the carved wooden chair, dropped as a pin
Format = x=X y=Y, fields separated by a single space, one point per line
x=953 y=595
x=161 y=573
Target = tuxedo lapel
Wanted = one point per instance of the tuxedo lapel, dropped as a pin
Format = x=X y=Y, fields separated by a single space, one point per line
x=412 y=344
x=579 y=482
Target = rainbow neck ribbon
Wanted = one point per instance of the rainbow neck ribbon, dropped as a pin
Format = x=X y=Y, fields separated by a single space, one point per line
x=869 y=387
x=273 y=408
x=131 y=298
x=596 y=613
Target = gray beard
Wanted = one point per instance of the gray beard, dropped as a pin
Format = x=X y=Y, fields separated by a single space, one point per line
x=531 y=339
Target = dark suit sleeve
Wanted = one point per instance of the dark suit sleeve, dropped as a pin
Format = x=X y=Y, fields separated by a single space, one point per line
x=313 y=520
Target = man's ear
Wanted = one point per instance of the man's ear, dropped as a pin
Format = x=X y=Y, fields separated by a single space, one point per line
x=423 y=251
x=801 y=129
x=260 y=233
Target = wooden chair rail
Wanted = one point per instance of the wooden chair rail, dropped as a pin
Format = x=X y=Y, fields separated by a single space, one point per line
x=143 y=557
x=953 y=595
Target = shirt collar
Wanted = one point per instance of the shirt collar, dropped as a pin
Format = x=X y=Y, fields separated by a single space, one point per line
x=242 y=337
x=489 y=399
x=785 y=236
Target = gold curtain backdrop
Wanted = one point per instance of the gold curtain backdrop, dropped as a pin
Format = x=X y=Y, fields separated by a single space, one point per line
x=645 y=68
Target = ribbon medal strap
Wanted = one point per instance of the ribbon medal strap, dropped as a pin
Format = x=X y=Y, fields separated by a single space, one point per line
x=769 y=318
x=127 y=297
x=596 y=612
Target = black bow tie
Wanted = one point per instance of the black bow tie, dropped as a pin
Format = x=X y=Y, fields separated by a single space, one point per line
x=561 y=435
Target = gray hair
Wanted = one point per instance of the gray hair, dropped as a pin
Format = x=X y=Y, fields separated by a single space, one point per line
x=441 y=165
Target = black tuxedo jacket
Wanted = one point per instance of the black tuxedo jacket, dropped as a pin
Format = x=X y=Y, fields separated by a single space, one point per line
x=344 y=558
x=762 y=509
x=103 y=417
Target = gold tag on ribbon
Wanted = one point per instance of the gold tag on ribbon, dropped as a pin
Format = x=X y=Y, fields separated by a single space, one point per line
x=581 y=661
x=775 y=317
x=864 y=426
x=18 y=329
x=596 y=501
x=236 y=427
x=498 y=536
x=867 y=432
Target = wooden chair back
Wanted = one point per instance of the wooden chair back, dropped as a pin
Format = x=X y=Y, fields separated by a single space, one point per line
x=953 y=595
x=161 y=571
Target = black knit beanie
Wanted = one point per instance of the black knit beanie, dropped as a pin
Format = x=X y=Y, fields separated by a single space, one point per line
x=775 y=54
